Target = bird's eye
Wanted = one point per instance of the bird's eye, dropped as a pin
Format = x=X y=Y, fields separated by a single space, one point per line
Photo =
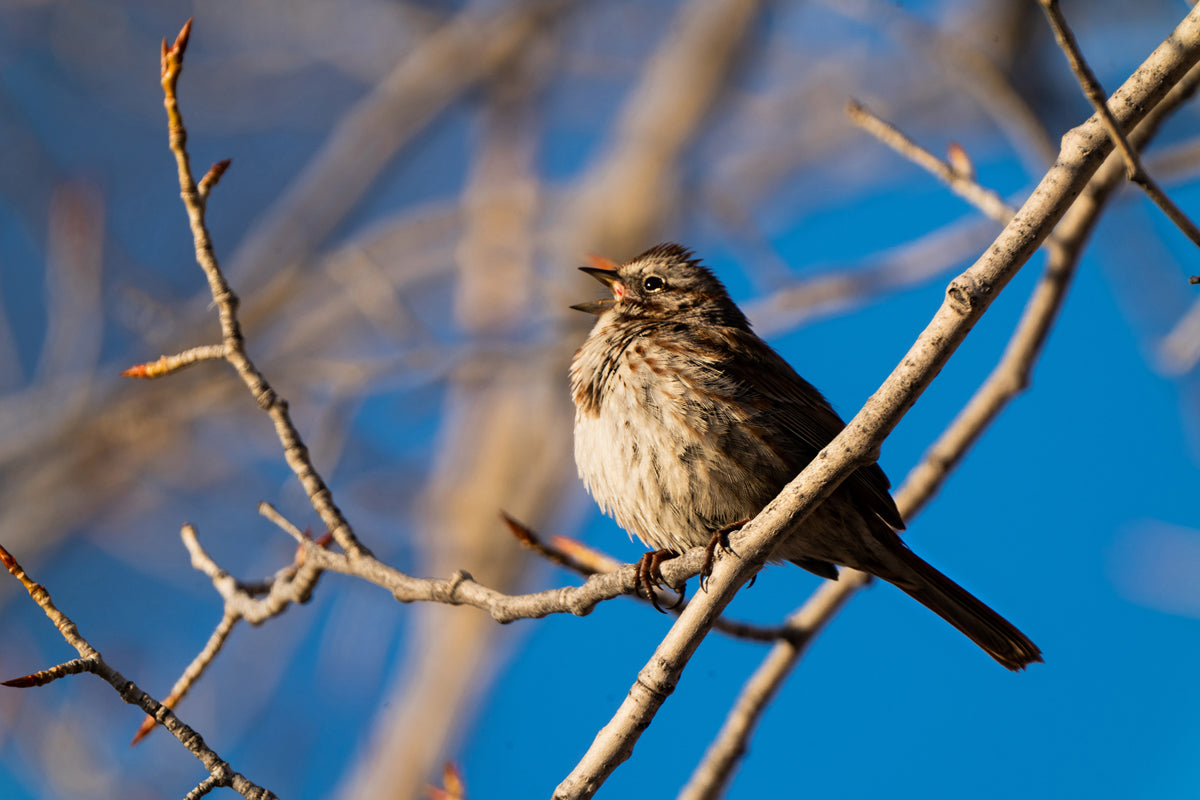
x=654 y=283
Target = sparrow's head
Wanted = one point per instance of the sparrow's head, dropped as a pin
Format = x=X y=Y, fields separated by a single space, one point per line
x=663 y=283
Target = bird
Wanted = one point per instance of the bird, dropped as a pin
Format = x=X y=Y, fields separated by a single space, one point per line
x=687 y=424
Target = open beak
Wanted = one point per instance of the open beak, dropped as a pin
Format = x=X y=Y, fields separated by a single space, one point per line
x=604 y=271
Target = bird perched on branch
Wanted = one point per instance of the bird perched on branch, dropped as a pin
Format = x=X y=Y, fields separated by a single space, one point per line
x=687 y=424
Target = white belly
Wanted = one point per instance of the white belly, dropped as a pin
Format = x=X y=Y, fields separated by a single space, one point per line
x=643 y=466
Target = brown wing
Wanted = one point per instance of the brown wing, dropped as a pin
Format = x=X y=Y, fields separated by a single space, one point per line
x=800 y=410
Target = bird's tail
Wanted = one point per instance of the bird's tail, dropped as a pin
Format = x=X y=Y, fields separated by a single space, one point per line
x=999 y=638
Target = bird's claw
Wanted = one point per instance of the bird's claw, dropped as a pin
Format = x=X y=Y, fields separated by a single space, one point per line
x=719 y=540
x=649 y=577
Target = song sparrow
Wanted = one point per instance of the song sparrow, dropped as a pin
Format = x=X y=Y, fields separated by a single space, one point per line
x=686 y=423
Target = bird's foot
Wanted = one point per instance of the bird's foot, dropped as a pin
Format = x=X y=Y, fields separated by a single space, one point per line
x=649 y=577
x=719 y=540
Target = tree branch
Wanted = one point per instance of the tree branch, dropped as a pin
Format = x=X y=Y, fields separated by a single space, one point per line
x=90 y=660
x=967 y=298
x=1010 y=376
x=1134 y=170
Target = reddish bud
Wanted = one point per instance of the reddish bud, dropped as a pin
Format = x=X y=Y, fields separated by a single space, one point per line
x=960 y=162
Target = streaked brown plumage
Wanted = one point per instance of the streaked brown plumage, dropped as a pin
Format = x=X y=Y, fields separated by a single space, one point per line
x=686 y=422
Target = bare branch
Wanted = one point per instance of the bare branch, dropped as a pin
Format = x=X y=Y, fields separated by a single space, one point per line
x=283 y=523
x=908 y=264
x=712 y=775
x=167 y=365
x=586 y=561
x=1134 y=170
x=961 y=184
x=193 y=672
x=1011 y=375
x=91 y=661
x=203 y=788
x=213 y=176
x=968 y=68
x=471 y=47
x=967 y=298
x=42 y=677
x=292 y=584
x=295 y=452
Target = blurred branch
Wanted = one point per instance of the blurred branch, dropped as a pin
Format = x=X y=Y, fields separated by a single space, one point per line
x=1134 y=170
x=493 y=409
x=912 y=262
x=628 y=192
x=74 y=311
x=370 y=275
x=167 y=365
x=425 y=82
x=963 y=185
x=193 y=672
x=906 y=265
x=453 y=786
x=967 y=298
x=1177 y=161
x=967 y=67
x=1179 y=350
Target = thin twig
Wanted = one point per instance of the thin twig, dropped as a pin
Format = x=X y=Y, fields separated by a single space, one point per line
x=295 y=452
x=203 y=788
x=292 y=584
x=193 y=672
x=1134 y=170
x=283 y=523
x=961 y=184
x=580 y=560
x=586 y=561
x=212 y=177
x=255 y=602
x=967 y=68
x=42 y=597
x=42 y=677
x=168 y=365
x=91 y=661
x=1091 y=87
